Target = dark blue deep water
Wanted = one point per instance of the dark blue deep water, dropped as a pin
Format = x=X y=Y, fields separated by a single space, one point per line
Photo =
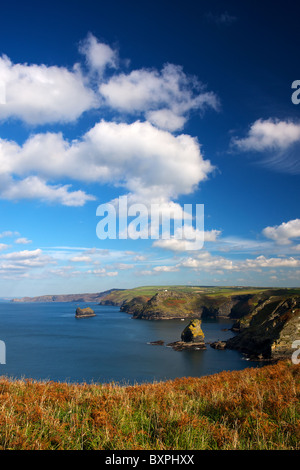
x=44 y=341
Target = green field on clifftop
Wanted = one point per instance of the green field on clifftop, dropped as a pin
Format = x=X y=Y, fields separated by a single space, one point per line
x=118 y=297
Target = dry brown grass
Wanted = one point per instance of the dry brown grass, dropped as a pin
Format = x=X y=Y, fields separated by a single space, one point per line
x=257 y=408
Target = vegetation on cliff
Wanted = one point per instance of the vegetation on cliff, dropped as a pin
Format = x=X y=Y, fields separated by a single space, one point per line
x=269 y=330
x=123 y=297
x=194 y=302
x=94 y=297
x=257 y=408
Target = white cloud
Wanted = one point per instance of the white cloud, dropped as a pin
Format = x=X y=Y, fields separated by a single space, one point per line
x=284 y=233
x=39 y=94
x=139 y=258
x=20 y=263
x=166 y=97
x=81 y=259
x=102 y=272
x=112 y=273
x=23 y=241
x=204 y=260
x=263 y=262
x=98 y=55
x=8 y=233
x=269 y=134
x=143 y=159
x=34 y=187
x=123 y=266
x=193 y=242
x=166 y=269
x=166 y=119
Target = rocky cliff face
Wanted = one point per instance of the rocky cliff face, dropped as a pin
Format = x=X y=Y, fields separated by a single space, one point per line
x=267 y=322
x=269 y=331
x=164 y=305
x=167 y=305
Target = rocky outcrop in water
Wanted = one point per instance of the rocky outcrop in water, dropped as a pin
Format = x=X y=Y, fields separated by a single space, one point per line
x=84 y=312
x=192 y=337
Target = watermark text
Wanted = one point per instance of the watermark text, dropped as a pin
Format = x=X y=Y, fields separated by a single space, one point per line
x=156 y=222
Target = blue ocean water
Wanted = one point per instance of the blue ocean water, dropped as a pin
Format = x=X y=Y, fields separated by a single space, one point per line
x=44 y=341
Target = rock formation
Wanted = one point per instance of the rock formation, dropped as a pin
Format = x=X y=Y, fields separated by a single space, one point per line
x=169 y=305
x=192 y=337
x=84 y=312
x=218 y=345
x=193 y=332
x=269 y=331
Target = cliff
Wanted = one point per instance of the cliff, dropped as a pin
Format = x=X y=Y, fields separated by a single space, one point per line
x=269 y=331
x=267 y=322
x=168 y=305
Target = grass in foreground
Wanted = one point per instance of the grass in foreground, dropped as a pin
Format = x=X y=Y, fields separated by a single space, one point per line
x=257 y=408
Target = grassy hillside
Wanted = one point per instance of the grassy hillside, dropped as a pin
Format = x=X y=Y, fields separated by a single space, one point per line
x=257 y=408
x=118 y=297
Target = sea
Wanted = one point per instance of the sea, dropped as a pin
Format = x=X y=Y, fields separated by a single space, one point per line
x=45 y=342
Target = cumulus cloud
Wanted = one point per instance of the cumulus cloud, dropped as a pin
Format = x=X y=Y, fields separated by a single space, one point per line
x=143 y=159
x=98 y=55
x=284 y=234
x=208 y=262
x=278 y=142
x=263 y=262
x=39 y=94
x=34 y=187
x=165 y=97
x=269 y=134
x=194 y=242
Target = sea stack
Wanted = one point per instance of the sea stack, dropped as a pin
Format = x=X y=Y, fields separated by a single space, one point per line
x=84 y=312
x=193 y=332
x=192 y=337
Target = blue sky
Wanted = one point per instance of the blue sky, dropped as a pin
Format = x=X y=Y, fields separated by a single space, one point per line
x=163 y=102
